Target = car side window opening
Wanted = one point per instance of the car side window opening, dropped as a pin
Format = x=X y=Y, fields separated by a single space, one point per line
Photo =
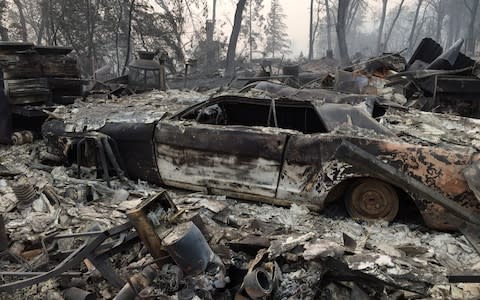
x=301 y=117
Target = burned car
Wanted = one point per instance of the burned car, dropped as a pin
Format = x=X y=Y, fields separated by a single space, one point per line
x=285 y=151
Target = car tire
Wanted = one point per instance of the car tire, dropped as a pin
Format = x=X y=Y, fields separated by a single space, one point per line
x=371 y=199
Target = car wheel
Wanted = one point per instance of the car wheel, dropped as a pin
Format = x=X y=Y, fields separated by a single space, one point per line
x=369 y=199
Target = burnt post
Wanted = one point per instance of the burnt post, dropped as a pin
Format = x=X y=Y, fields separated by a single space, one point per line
x=3 y=235
x=191 y=65
x=162 y=76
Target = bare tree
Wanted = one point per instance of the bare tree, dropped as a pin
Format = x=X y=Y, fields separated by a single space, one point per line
x=341 y=32
x=310 y=44
x=414 y=26
x=355 y=7
x=210 y=28
x=232 y=45
x=380 y=27
x=23 y=23
x=175 y=20
x=129 y=34
x=470 y=45
x=439 y=7
x=117 y=35
x=387 y=38
x=454 y=21
x=3 y=26
x=317 y=24
x=329 y=26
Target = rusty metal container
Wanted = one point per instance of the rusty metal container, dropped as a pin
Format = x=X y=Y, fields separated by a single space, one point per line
x=146 y=218
x=188 y=248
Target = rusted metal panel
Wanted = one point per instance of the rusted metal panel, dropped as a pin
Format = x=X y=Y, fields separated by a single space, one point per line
x=137 y=151
x=144 y=218
x=237 y=158
x=303 y=173
x=355 y=155
x=236 y=140
x=134 y=141
x=312 y=169
x=436 y=168
x=202 y=170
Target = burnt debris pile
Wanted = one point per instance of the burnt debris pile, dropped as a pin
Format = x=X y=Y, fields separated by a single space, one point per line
x=294 y=180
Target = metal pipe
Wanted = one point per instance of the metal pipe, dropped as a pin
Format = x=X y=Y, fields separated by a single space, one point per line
x=258 y=283
x=30 y=274
x=136 y=283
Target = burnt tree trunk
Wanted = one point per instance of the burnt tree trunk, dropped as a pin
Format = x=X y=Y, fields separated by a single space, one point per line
x=43 y=21
x=117 y=36
x=470 y=45
x=341 y=33
x=210 y=28
x=414 y=26
x=232 y=45
x=453 y=23
x=352 y=14
x=380 y=28
x=23 y=23
x=3 y=27
x=329 y=27
x=389 y=33
x=310 y=40
x=129 y=36
x=440 y=18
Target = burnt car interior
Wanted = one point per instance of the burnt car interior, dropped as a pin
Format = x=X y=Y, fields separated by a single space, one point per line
x=295 y=115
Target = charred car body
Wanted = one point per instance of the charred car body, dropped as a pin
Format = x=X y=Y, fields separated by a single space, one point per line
x=285 y=151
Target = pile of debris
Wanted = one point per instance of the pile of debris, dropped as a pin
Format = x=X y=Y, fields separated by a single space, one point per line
x=71 y=235
x=71 y=238
x=97 y=207
x=39 y=75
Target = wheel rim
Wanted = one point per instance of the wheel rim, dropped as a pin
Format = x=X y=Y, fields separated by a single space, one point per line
x=373 y=199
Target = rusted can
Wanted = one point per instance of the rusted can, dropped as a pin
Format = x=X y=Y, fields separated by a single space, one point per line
x=188 y=248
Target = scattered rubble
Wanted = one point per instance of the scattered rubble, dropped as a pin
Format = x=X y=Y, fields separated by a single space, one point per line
x=96 y=204
x=293 y=252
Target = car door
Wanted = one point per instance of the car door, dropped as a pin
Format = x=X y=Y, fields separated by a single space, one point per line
x=239 y=161
x=303 y=178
